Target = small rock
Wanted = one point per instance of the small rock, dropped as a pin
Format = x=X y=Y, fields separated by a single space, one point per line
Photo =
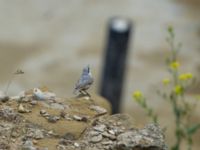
x=35 y=142
x=33 y=102
x=43 y=112
x=99 y=128
x=62 y=114
x=65 y=142
x=98 y=109
x=53 y=119
x=14 y=134
x=38 y=134
x=25 y=99
x=96 y=139
x=21 y=109
x=111 y=132
x=50 y=132
x=80 y=118
x=28 y=145
x=69 y=136
x=39 y=95
x=110 y=136
x=76 y=144
x=94 y=133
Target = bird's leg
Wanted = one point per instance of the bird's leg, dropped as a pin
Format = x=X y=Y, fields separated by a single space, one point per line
x=82 y=92
x=86 y=93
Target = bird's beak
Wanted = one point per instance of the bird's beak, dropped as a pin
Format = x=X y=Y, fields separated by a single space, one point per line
x=88 y=67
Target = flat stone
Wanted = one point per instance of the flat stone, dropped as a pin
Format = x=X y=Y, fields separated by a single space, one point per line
x=21 y=109
x=111 y=132
x=94 y=133
x=53 y=119
x=99 y=128
x=110 y=136
x=43 y=111
x=98 y=109
x=96 y=139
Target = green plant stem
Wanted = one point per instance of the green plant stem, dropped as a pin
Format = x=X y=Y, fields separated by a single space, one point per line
x=190 y=142
x=149 y=111
x=178 y=123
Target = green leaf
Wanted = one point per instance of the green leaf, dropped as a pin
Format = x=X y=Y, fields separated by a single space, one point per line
x=193 y=129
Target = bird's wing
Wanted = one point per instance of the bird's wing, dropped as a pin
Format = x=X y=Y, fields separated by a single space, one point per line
x=84 y=81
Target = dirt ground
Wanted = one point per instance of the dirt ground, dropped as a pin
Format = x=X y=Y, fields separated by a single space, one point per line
x=46 y=38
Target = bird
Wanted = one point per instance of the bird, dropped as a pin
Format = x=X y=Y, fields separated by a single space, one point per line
x=84 y=82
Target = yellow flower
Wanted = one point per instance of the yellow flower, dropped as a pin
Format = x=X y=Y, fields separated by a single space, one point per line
x=178 y=90
x=185 y=76
x=189 y=75
x=166 y=81
x=174 y=65
x=137 y=95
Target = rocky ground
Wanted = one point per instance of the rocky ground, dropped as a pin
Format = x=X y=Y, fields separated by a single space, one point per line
x=28 y=122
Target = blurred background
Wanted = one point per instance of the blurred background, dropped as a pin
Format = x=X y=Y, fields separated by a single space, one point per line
x=51 y=41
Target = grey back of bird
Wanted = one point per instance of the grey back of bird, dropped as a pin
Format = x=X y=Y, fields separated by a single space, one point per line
x=85 y=80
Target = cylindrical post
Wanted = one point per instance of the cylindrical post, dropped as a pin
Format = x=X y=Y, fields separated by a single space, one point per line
x=119 y=31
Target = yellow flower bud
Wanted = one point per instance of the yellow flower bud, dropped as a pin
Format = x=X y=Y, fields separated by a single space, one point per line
x=178 y=90
x=166 y=81
x=137 y=95
x=185 y=76
x=175 y=65
x=189 y=75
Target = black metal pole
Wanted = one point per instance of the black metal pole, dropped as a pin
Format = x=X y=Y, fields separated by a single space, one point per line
x=119 y=31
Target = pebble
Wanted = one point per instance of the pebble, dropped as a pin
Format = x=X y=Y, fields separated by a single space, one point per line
x=53 y=119
x=111 y=132
x=76 y=144
x=21 y=109
x=69 y=137
x=39 y=95
x=80 y=118
x=33 y=102
x=28 y=145
x=43 y=112
x=106 y=134
x=96 y=139
x=94 y=133
x=98 y=109
x=14 y=134
x=38 y=134
x=50 y=132
x=99 y=128
x=35 y=142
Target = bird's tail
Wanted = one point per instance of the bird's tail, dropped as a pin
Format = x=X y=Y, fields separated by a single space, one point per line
x=75 y=91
